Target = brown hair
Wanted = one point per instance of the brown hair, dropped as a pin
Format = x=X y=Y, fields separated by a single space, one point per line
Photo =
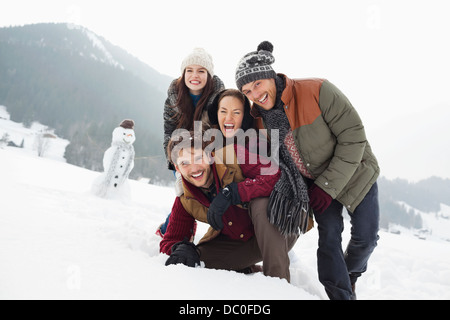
x=183 y=139
x=232 y=93
x=186 y=114
x=213 y=108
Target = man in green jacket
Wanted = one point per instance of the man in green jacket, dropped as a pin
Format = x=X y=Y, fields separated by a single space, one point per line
x=326 y=162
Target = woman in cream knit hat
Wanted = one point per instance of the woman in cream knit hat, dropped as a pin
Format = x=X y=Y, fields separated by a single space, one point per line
x=187 y=99
x=190 y=94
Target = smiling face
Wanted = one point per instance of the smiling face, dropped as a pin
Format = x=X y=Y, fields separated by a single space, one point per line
x=262 y=92
x=195 y=78
x=230 y=115
x=124 y=135
x=195 y=167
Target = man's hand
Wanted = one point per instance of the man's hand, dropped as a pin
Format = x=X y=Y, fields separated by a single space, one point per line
x=228 y=196
x=184 y=252
x=319 y=199
x=217 y=208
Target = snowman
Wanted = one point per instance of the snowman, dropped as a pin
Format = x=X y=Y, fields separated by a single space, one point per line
x=118 y=161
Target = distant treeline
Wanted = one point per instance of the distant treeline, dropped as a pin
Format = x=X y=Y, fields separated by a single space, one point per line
x=425 y=195
x=52 y=74
x=55 y=75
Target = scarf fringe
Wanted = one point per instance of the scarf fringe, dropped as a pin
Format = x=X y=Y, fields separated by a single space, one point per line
x=289 y=202
x=289 y=216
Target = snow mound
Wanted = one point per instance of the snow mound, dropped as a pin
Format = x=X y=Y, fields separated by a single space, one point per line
x=65 y=243
x=58 y=241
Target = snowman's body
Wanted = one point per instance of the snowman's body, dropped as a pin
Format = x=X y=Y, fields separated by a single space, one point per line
x=118 y=161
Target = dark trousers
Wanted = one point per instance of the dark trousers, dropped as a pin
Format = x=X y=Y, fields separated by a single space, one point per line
x=338 y=270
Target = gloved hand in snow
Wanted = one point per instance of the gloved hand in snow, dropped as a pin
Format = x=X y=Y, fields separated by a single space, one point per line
x=184 y=252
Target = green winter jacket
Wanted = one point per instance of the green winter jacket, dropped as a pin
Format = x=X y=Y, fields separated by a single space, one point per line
x=330 y=138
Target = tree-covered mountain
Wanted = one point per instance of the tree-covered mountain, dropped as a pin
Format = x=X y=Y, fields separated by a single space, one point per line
x=425 y=195
x=81 y=85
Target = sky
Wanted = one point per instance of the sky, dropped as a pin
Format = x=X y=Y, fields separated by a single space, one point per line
x=390 y=58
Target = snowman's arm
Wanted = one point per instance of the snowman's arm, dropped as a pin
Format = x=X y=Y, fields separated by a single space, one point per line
x=107 y=159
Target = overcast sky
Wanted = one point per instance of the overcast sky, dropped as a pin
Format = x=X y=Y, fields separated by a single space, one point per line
x=391 y=58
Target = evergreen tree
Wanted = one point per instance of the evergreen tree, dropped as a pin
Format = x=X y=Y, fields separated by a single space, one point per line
x=49 y=75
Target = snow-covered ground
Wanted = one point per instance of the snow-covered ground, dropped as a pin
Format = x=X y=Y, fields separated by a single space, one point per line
x=17 y=134
x=58 y=241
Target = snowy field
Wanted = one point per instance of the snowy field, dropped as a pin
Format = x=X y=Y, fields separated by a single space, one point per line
x=17 y=134
x=58 y=241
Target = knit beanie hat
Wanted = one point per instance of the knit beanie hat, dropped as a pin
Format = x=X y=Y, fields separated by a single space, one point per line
x=256 y=65
x=199 y=57
x=127 y=124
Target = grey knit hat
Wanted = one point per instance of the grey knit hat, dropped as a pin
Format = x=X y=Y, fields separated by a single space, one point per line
x=256 y=65
x=200 y=57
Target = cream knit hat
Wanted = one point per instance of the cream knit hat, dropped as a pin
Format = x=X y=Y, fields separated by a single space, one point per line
x=199 y=57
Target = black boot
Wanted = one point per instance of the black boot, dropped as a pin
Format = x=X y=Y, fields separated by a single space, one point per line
x=353 y=278
x=353 y=296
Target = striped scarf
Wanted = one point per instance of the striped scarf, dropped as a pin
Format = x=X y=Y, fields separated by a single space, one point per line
x=288 y=207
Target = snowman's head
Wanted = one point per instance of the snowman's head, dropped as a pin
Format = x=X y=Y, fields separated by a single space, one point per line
x=123 y=135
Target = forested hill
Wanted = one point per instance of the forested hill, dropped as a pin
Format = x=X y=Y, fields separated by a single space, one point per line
x=74 y=81
x=78 y=83
x=425 y=196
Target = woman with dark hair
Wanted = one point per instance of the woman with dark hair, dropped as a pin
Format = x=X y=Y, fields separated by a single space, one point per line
x=230 y=112
x=236 y=104
x=189 y=95
x=187 y=99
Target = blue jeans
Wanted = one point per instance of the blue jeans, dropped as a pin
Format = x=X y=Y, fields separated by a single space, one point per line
x=163 y=227
x=338 y=270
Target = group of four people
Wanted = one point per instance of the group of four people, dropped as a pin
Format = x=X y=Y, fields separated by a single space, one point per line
x=257 y=210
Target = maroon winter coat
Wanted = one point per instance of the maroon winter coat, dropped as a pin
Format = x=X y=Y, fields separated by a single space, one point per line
x=193 y=205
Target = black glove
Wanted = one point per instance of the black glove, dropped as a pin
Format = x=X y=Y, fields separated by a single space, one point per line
x=184 y=252
x=228 y=196
x=235 y=197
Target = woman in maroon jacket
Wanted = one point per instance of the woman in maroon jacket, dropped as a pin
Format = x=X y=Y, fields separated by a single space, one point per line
x=218 y=194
